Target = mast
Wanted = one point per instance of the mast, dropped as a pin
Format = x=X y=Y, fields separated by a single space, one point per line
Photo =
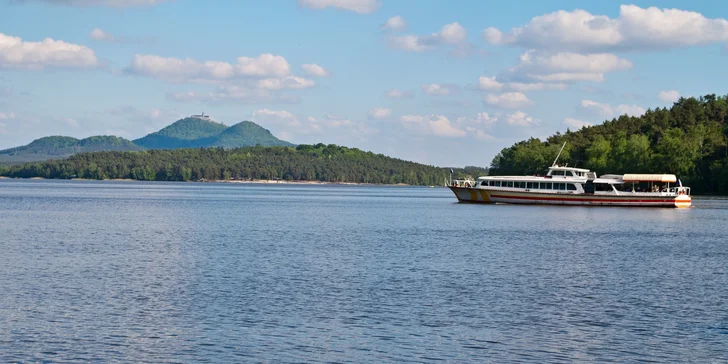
x=558 y=155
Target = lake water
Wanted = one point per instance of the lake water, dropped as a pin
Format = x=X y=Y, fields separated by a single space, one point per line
x=190 y=272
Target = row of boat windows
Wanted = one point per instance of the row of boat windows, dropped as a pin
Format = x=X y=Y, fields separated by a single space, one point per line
x=567 y=173
x=532 y=185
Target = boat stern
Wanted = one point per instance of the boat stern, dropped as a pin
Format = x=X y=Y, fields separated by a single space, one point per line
x=683 y=201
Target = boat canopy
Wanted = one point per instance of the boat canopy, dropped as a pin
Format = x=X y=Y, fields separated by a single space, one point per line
x=649 y=178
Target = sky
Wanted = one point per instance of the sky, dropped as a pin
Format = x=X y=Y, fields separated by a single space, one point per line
x=448 y=83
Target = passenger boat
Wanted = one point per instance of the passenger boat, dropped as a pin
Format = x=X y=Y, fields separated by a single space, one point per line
x=576 y=186
x=563 y=185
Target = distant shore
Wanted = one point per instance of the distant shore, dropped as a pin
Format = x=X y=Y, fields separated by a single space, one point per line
x=254 y=181
x=272 y=181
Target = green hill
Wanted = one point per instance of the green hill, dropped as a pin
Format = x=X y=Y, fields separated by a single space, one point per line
x=192 y=132
x=246 y=133
x=690 y=139
x=55 y=147
x=184 y=133
x=201 y=133
x=329 y=163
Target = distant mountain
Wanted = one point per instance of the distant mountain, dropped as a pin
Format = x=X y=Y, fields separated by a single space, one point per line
x=55 y=147
x=246 y=133
x=184 y=133
x=191 y=132
x=195 y=132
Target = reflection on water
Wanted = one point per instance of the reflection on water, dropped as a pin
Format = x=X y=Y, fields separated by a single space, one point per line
x=137 y=272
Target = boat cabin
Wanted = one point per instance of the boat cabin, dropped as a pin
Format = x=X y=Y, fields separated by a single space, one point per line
x=578 y=180
x=556 y=171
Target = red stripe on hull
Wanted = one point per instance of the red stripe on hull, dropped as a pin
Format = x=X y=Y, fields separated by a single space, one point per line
x=578 y=199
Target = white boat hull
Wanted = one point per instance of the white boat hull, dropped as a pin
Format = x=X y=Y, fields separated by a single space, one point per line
x=484 y=195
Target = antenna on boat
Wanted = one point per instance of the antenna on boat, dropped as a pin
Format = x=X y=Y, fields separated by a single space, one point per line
x=558 y=155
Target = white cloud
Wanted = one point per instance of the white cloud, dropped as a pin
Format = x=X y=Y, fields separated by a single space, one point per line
x=234 y=94
x=634 y=29
x=606 y=110
x=379 y=113
x=264 y=116
x=4 y=116
x=437 y=125
x=567 y=66
x=481 y=119
x=594 y=107
x=520 y=118
x=453 y=33
x=399 y=94
x=315 y=70
x=290 y=82
x=437 y=89
x=575 y=124
x=345 y=126
x=189 y=70
x=412 y=118
x=478 y=134
x=100 y=35
x=109 y=3
x=508 y=100
x=358 y=6
x=669 y=95
x=492 y=35
x=450 y=34
x=568 y=77
x=535 y=86
x=264 y=65
x=491 y=84
x=395 y=23
x=631 y=110
x=16 y=53
x=575 y=62
x=72 y=122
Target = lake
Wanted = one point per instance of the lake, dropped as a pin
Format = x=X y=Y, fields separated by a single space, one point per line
x=213 y=272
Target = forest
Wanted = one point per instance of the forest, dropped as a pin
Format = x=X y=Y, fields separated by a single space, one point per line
x=327 y=163
x=690 y=140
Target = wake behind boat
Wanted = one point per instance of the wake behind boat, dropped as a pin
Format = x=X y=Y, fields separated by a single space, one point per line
x=576 y=186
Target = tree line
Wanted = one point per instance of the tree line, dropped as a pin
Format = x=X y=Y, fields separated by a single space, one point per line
x=327 y=163
x=690 y=139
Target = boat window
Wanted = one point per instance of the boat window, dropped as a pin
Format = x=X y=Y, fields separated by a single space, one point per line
x=497 y=183
x=510 y=184
x=529 y=185
x=558 y=173
x=560 y=186
x=547 y=185
x=484 y=183
x=571 y=187
x=521 y=184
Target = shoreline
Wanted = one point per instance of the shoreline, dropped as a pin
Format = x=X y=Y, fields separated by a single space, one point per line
x=272 y=181
x=254 y=181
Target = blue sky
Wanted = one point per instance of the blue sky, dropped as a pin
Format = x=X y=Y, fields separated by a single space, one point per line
x=438 y=82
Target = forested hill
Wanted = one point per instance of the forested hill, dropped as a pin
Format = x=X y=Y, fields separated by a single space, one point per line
x=196 y=132
x=690 y=139
x=62 y=147
x=329 y=163
x=191 y=132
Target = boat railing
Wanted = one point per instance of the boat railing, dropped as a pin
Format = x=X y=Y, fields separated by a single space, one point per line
x=461 y=183
x=672 y=191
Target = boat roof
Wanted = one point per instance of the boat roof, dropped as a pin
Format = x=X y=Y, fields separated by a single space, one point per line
x=649 y=178
x=559 y=168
